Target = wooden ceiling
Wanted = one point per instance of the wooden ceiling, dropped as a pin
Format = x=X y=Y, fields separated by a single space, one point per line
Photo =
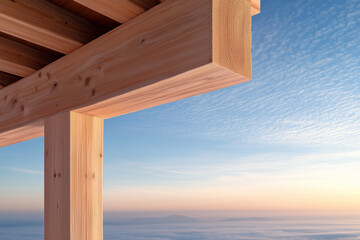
x=34 y=33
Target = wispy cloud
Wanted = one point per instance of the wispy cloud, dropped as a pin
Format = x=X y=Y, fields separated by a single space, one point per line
x=22 y=170
x=305 y=89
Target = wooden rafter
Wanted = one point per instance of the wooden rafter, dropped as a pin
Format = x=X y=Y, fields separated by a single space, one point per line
x=21 y=60
x=7 y=79
x=119 y=10
x=45 y=24
x=147 y=4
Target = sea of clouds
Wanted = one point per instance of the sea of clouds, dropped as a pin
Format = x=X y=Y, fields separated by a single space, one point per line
x=205 y=229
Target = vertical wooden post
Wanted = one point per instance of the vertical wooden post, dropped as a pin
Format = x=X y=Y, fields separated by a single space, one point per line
x=73 y=177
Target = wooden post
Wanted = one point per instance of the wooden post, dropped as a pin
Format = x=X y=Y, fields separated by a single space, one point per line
x=73 y=177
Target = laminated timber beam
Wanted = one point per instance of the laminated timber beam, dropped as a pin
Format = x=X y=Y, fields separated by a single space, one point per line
x=178 y=49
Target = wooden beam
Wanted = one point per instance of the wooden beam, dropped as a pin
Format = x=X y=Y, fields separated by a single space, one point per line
x=73 y=177
x=147 y=4
x=6 y=79
x=118 y=10
x=21 y=60
x=23 y=133
x=166 y=54
x=45 y=24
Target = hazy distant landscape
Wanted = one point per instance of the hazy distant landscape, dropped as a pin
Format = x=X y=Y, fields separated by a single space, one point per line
x=178 y=227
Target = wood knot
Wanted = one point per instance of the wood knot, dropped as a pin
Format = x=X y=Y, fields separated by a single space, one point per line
x=93 y=92
x=55 y=84
x=87 y=81
x=22 y=107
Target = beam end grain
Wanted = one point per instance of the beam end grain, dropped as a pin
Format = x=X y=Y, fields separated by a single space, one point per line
x=232 y=36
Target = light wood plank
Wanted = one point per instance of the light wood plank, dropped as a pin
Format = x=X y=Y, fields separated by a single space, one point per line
x=73 y=177
x=166 y=54
x=45 y=24
x=21 y=60
x=119 y=10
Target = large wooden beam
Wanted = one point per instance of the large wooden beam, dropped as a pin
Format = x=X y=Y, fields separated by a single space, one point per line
x=45 y=24
x=166 y=54
x=73 y=177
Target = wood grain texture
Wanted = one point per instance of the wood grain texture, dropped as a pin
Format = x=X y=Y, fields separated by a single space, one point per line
x=45 y=24
x=86 y=13
x=118 y=10
x=166 y=54
x=200 y=80
x=73 y=177
x=21 y=60
x=23 y=133
x=232 y=35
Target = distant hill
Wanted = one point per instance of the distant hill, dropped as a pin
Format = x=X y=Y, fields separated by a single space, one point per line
x=160 y=220
x=246 y=219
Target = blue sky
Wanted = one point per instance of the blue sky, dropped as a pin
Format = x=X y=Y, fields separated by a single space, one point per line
x=291 y=135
